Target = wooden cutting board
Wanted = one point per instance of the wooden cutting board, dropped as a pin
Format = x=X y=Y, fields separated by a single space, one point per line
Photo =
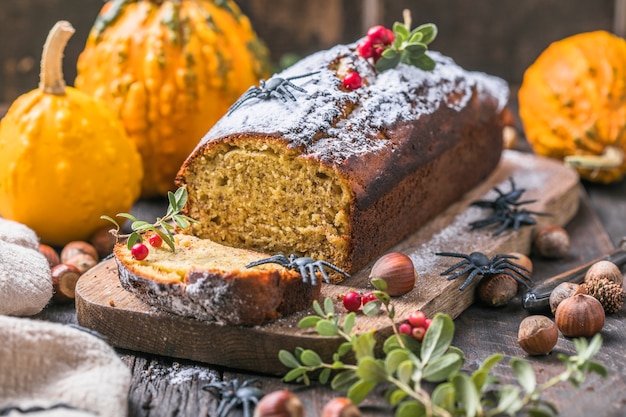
x=104 y=306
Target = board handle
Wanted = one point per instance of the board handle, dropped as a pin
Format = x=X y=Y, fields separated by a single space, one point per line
x=537 y=299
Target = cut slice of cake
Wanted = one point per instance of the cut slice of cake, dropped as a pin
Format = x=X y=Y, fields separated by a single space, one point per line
x=209 y=281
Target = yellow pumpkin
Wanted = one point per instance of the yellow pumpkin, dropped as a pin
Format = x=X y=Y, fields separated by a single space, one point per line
x=170 y=69
x=572 y=103
x=65 y=158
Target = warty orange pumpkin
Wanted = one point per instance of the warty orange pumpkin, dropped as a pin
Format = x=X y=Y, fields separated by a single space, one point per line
x=65 y=158
x=170 y=69
x=572 y=103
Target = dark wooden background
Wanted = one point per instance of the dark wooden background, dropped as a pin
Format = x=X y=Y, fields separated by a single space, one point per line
x=501 y=37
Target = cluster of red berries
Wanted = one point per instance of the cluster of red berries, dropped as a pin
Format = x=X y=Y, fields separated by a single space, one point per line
x=353 y=301
x=140 y=251
x=377 y=40
x=415 y=325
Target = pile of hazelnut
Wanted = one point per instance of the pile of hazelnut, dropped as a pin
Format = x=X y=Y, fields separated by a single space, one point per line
x=579 y=310
x=74 y=259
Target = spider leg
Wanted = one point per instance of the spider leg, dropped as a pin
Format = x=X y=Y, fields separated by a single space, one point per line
x=284 y=93
x=311 y=270
x=455 y=266
x=461 y=272
x=276 y=259
x=250 y=93
x=518 y=269
x=304 y=274
x=308 y=74
x=506 y=223
x=295 y=87
x=469 y=279
x=228 y=408
x=517 y=278
x=277 y=94
x=320 y=267
x=453 y=254
x=335 y=268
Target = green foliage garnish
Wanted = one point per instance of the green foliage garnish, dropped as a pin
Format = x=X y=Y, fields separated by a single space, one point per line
x=163 y=226
x=406 y=364
x=409 y=46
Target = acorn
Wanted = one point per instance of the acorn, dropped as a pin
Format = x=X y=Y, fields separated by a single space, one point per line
x=497 y=290
x=604 y=269
x=397 y=270
x=50 y=253
x=537 y=335
x=580 y=315
x=76 y=247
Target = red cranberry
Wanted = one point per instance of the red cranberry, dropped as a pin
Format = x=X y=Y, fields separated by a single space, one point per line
x=405 y=328
x=427 y=323
x=352 y=81
x=365 y=48
x=380 y=35
x=367 y=297
x=418 y=333
x=417 y=319
x=155 y=240
x=352 y=301
x=139 y=251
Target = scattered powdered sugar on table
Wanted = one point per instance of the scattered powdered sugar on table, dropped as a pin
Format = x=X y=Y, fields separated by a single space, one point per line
x=178 y=374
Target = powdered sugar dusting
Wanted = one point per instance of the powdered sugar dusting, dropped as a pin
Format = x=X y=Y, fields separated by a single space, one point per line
x=405 y=93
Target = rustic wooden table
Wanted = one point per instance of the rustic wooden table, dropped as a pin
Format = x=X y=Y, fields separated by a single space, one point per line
x=163 y=386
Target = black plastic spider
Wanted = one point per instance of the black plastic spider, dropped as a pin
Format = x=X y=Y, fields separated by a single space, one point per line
x=275 y=87
x=232 y=393
x=504 y=201
x=506 y=211
x=306 y=266
x=514 y=218
x=477 y=263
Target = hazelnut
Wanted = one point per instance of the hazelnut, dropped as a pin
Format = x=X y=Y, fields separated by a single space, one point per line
x=562 y=291
x=340 y=407
x=76 y=247
x=279 y=403
x=537 y=335
x=497 y=290
x=552 y=241
x=82 y=261
x=51 y=255
x=522 y=260
x=103 y=241
x=604 y=269
x=397 y=270
x=580 y=315
x=64 y=278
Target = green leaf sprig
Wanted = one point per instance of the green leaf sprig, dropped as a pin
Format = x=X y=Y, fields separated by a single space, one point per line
x=406 y=364
x=163 y=226
x=409 y=46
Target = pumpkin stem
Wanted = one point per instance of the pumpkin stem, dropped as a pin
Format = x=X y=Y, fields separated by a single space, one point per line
x=51 y=79
x=611 y=158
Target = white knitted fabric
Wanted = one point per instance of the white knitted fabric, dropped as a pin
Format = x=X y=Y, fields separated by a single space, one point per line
x=59 y=370
x=25 y=278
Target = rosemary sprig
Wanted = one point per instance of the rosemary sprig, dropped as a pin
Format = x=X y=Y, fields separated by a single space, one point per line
x=409 y=46
x=407 y=364
x=163 y=226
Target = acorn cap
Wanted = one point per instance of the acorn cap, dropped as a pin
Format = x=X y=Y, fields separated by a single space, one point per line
x=610 y=294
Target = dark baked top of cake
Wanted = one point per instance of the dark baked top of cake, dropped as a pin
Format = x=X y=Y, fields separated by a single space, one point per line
x=332 y=124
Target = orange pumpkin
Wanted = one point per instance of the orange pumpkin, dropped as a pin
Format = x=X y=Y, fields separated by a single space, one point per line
x=170 y=69
x=572 y=104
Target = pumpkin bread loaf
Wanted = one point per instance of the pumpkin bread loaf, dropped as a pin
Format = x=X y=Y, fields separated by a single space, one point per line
x=342 y=175
x=208 y=281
